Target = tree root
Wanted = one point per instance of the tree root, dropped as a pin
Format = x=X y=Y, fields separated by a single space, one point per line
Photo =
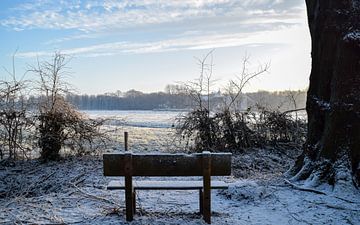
x=303 y=188
x=333 y=206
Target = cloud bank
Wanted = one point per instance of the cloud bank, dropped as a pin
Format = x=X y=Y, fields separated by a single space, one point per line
x=185 y=24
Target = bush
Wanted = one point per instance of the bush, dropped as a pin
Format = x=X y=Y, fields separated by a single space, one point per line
x=58 y=122
x=235 y=131
x=15 y=121
x=198 y=127
x=276 y=127
x=228 y=128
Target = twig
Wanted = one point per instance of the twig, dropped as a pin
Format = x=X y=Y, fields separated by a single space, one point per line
x=293 y=110
x=171 y=203
x=339 y=207
x=331 y=206
x=79 y=181
x=94 y=196
x=345 y=200
x=76 y=180
x=34 y=171
x=303 y=188
x=34 y=184
x=15 y=217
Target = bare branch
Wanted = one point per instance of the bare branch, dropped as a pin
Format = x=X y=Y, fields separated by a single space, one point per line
x=235 y=87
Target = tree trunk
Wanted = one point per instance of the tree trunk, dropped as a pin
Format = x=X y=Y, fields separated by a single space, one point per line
x=332 y=151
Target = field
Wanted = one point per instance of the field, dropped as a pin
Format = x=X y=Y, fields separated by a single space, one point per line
x=148 y=130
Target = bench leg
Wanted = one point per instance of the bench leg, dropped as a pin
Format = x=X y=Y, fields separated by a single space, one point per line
x=201 y=195
x=134 y=202
x=207 y=205
x=129 y=190
x=207 y=187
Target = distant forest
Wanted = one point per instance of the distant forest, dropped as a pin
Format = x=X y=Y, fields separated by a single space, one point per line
x=175 y=99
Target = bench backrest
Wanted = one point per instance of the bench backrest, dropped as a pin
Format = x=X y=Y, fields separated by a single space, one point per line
x=121 y=164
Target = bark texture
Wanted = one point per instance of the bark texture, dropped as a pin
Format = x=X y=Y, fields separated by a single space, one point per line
x=333 y=101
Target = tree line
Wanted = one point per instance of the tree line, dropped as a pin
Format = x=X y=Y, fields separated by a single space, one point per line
x=177 y=99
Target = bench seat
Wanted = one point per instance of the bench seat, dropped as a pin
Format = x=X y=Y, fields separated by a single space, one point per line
x=166 y=185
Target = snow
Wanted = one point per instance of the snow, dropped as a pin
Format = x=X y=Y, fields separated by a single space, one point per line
x=324 y=105
x=352 y=36
x=74 y=191
x=143 y=138
x=137 y=118
x=246 y=190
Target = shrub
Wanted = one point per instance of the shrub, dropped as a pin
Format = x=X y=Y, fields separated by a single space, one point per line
x=15 y=122
x=58 y=122
x=235 y=131
x=197 y=127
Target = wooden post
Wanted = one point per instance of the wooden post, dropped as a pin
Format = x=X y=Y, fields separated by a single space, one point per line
x=129 y=189
x=206 y=158
x=126 y=135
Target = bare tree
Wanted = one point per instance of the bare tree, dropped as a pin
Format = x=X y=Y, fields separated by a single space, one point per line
x=235 y=124
x=197 y=124
x=59 y=123
x=236 y=86
x=14 y=121
x=224 y=129
x=200 y=89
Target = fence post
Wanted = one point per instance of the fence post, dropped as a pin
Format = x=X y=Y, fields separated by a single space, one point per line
x=126 y=135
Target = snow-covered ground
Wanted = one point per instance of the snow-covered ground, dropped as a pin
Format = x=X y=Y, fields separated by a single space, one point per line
x=148 y=130
x=73 y=191
x=138 y=118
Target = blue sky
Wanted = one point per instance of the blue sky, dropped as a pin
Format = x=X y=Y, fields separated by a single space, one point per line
x=146 y=44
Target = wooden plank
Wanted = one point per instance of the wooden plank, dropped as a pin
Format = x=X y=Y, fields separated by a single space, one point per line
x=166 y=185
x=167 y=164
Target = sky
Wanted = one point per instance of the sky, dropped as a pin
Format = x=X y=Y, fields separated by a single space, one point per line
x=147 y=44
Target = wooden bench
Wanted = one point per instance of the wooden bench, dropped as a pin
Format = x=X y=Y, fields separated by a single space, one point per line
x=204 y=164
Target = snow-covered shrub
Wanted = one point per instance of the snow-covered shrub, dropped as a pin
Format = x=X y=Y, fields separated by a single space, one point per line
x=58 y=122
x=246 y=190
x=234 y=131
x=273 y=127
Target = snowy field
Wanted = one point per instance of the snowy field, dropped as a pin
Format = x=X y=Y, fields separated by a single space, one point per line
x=148 y=130
x=73 y=191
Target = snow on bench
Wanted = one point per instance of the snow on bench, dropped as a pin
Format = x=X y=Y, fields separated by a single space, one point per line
x=204 y=164
x=166 y=185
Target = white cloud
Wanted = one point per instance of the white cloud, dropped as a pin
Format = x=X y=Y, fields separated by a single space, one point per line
x=107 y=15
x=279 y=36
x=189 y=24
